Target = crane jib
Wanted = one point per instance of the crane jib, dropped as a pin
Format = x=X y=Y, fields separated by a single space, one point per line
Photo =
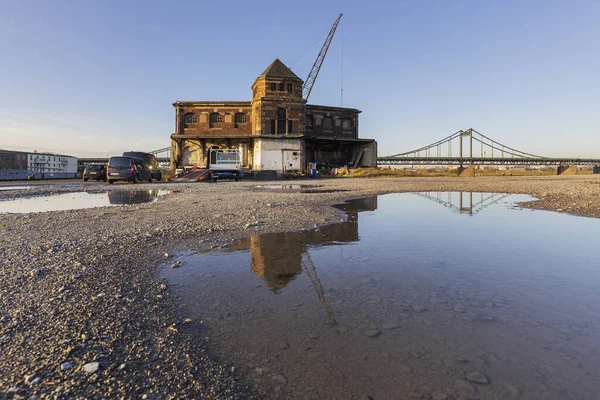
x=314 y=72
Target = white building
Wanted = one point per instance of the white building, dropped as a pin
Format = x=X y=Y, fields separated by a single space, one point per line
x=48 y=165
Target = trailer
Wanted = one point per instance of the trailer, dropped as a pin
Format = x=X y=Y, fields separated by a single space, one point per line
x=225 y=164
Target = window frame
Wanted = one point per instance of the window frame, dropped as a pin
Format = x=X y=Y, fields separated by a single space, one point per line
x=211 y=122
x=330 y=127
x=349 y=121
x=190 y=118
x=310 y=121
x=243 y=119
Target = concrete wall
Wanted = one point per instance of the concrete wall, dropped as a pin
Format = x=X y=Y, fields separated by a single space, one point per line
x=280 y=155
x=369 y=157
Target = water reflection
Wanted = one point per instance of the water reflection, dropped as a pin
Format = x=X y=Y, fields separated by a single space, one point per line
x=464 y=202
x=79 y=200
x=277 y=258
x=418 y=303
x=119 y=197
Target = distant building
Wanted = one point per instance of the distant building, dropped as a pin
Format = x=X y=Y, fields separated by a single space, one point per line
x=276 y=131
x=22 y=165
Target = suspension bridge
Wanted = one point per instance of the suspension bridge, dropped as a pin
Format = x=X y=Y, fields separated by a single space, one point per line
x=464 y=202
x=470 y=148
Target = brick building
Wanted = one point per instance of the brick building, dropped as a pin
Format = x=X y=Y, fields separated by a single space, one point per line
x=276 y=131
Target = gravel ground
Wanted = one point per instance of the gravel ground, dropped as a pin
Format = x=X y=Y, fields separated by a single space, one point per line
x=83 y=314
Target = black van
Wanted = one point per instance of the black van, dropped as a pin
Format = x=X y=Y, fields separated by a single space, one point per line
x=150 y=160
x=128 y=169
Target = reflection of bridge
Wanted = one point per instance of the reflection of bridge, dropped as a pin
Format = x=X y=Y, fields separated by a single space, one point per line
x=480 y=150
x=162 y=155
x=467 y=202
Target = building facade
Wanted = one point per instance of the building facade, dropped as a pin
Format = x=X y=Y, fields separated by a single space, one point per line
x=275 y=131
x=23 y=165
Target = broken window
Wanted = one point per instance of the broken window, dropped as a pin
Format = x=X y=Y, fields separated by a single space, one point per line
x=240 y=118
x=309 y=121
x=215 y=118
x=347 y=123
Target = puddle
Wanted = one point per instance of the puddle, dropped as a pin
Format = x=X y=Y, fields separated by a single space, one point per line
x=284 y=186
x=79 y=200
x=415 y=293
x=15 y=187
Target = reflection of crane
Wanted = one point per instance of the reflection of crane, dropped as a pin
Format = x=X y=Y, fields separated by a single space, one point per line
x=312 y=76
x=311 y=271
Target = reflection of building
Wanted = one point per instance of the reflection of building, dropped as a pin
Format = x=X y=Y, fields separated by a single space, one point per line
x=277 y=257
x=276 y=131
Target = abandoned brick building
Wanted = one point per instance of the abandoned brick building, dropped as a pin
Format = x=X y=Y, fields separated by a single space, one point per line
x=276 y=131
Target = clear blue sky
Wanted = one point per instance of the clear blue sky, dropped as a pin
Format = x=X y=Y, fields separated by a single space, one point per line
x=96 y=78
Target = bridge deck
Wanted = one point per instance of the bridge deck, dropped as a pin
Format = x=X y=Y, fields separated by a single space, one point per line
x=484 y=161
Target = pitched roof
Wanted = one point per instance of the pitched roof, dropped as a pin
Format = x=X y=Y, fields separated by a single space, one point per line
x=277 y=69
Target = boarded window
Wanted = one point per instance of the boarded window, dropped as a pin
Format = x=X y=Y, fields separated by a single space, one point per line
x=215 y=118
x=347 y=124
x=328 y=123
x=240 y=118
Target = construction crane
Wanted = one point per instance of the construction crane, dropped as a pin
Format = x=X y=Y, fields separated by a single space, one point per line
x=312 y=76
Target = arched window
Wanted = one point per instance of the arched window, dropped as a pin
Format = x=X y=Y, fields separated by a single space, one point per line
x=240 y=118
x=215 y=118
x=189 y=118
x=347 y=123
x=328 y=123
x=281 y=120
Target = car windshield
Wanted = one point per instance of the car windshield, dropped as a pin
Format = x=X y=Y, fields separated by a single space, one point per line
x=227 y=158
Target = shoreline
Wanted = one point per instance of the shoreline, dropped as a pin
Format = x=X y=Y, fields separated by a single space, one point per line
x=83 y=286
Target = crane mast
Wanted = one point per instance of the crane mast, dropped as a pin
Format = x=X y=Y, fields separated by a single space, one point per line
x=312 y=76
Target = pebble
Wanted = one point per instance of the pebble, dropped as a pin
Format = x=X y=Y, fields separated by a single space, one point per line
x=477 y=377
x=373 y=332
x=313 y=336
x=176 y=264
x=92 y=367
x=65 y=366
x=284 y=346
